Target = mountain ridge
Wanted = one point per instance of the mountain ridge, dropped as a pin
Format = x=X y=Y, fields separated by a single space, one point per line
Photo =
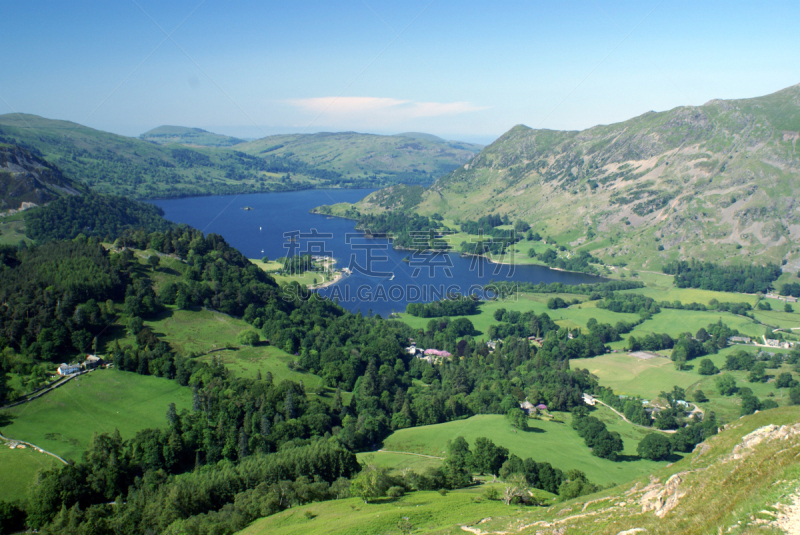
x=110 y=163
x=715 y=182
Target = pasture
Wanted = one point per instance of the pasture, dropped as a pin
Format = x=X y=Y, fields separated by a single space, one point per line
x=550 y=441
x=64 y=420
x=428 y=511
x=200 y=331
x=19 y=469
x=631 y=376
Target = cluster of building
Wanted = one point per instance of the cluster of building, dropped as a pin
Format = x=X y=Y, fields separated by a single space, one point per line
x=91 y=362
x=531 y=409
x=432 y=356
x=768 y=342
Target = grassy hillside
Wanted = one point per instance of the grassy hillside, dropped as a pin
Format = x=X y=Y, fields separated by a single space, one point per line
x=710 y=182
x=19 y=468
x=110 y=163
x=728 y=484
x=554 y=442
x=197 y=137
x=407 y=157
x=64 y=420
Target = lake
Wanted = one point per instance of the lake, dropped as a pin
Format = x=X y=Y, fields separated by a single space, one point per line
x=279 y=224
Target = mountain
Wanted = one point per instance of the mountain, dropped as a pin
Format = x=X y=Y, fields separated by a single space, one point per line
x=109 y=163
x=404 y=157
x=717 y=181
x=25 y=178
x=192 y=137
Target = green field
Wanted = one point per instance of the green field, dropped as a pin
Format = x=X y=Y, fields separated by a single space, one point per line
x=574 y=316
x=429 y=512
x=201 y=331
x=546 y=441
x=64 y=420
x=648 y=378
x=19 y=468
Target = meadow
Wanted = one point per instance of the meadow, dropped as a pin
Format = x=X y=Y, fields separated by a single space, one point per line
x=545 y=441
x=64 y=420
x=628 y=375
x=19 y=469
x=428 y=512
x=200 y=331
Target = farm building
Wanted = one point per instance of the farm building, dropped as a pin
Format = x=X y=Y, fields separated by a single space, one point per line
x=68 y=369
x=92 y=361
x=527 y=406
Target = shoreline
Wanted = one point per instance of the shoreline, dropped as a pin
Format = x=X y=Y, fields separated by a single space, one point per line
x=372 y=237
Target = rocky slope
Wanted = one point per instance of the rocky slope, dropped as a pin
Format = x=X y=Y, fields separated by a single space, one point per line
x=744 y=480
x=26 y=179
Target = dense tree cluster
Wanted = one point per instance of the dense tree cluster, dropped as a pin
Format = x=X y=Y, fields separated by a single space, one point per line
x=105 y=217
x=453 y=306
x=735 y=278
x=604 y=444
x=630 y=304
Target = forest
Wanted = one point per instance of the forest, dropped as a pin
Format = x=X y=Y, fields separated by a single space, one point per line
x=734 y=278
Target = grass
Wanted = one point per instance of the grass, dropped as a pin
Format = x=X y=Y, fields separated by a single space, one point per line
x=200 y=331
x=687 y=295
x=19 y=468
x=64 y=420
x=648 y=378
x=12 y=230
x=636 y=377
x=553 y=442
x=574 y=316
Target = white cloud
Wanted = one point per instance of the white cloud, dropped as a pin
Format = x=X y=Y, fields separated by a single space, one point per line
x=383 y=110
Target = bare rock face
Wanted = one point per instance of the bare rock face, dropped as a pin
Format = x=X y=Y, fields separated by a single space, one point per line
x=663 y=498
x=27 y=180
x=767 y=433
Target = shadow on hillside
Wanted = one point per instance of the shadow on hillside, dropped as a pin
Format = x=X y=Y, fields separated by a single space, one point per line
x=168 y=271
x=6 y=419
x=533 y=430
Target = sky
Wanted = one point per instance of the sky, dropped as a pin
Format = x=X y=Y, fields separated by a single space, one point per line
x=463 y=70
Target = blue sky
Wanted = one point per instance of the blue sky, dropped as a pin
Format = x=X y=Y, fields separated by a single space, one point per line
x=462 y=70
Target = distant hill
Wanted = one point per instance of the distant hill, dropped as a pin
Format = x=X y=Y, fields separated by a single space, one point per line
x=718 y=181
x=26 y=178
x=165 y=135
x=407 y=157
x=109 y=163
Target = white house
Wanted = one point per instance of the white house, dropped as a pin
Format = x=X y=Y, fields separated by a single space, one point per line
x=68 y=369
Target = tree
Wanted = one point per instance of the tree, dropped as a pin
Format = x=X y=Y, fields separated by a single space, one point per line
x=655 y=447
x=487 y=457
x=794 y=395
x=700 y=396
x=154 y=261
x=265 y=259
x=788 y=308
x=758 y=373
x=750 y=403
x=518 y=418
x=371 y=482
x=785 y=380
x=514 y=487
x=726 y=385
x=248 y=337
x=456 y=464
x=707 y=367
x=135 y=324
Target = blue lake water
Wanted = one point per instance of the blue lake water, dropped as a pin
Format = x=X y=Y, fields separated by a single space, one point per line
x=280 y=224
